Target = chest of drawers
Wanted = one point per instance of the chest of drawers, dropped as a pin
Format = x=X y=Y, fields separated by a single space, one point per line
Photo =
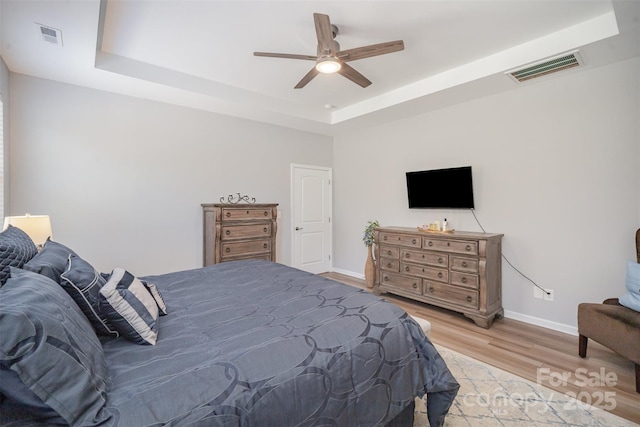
x=239 y=231
x=460 y=271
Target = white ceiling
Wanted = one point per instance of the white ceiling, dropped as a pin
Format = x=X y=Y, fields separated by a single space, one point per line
x=199 y=53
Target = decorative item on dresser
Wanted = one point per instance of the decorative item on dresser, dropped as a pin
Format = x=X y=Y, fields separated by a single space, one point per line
x=460 y=271
x=370 y=266
x=234 y=231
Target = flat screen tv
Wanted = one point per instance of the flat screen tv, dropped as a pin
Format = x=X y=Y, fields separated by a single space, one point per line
x=441 y=188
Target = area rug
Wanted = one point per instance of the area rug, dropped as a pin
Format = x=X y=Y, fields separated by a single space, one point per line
x=489 y=397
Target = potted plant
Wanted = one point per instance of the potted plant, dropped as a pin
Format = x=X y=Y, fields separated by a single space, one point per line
x=368 y=239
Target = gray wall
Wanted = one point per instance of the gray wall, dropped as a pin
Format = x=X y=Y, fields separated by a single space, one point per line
x=123 y=178
x=556 y=167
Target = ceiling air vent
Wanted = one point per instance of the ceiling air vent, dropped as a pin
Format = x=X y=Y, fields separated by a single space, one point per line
x=50 y=35
x=546 y=66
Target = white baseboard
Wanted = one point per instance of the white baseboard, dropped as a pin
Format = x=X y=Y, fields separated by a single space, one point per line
x=348 y=273
x=560 y=327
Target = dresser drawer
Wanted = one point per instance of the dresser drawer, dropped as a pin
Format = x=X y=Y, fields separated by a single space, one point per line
x=453 y=294
x=231 y=214
x=408 y=284
x=466 y=280
x=422 y=257
x=229 y=249
x=390 y=264
x=464 y=265
x=432 y=273
x=400 y=239
x=389 y=251
x=458 y=246
x=233 y=232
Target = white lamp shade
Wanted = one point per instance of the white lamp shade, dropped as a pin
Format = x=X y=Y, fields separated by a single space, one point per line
x=38 y=227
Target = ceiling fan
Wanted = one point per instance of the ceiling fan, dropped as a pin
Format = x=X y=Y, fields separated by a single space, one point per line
x=330 y=59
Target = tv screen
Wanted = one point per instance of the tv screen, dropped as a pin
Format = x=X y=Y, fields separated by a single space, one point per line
x=441 y=188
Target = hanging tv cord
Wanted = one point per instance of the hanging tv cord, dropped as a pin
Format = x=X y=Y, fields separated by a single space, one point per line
x=509 y=262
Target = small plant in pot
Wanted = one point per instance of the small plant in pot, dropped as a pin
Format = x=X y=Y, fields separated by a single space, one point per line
x=368 y=239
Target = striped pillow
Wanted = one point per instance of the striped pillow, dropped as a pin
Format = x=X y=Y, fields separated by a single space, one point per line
x=129 y=307
x=155 y=293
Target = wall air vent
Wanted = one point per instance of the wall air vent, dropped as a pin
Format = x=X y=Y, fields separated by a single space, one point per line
x=49 y=34
x=546 y=66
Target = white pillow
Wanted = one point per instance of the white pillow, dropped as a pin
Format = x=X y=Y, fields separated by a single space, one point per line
x=129 y=307
x=632 y=298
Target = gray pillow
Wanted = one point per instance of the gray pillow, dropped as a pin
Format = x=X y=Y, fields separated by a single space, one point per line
x=16 y=248
x=51 y=260
x=50 y=344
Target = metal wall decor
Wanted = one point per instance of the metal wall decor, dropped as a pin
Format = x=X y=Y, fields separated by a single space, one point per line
x=237 y=199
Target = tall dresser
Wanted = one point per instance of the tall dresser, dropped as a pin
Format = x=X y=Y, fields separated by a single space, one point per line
x=460 y=271
x=239 y=231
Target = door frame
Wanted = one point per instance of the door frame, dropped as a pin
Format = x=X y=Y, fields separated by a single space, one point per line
x=329 y=170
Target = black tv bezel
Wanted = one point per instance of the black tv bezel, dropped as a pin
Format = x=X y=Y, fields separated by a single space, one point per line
x=467 y=200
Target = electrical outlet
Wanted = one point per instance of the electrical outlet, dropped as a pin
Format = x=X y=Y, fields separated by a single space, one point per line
x=548 y=296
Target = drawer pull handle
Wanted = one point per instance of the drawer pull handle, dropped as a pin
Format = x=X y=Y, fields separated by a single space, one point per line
x=468 y=247
x=448 y=244
x=414 y=241
x=440 y=260
x=227 y=250
x=415 y=286
x=407 y=255
x=384 y=238
x=407 y=268
x=464 y=280
x=247 y=212
x=389 y=265
x=385 y=278
x=389 y=253
x=265 y=246
x=430 y=243
x=265 y=213
x=439 y=275
x=227 y=232
x=228 y=214
x=430 y=288
x=264 y=230
x=464 y=263
x=469 y=299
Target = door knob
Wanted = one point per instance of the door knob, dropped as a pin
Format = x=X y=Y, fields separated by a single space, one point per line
x=298 y=228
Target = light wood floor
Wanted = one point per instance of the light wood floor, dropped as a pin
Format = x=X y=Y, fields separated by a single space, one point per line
x=531 y=352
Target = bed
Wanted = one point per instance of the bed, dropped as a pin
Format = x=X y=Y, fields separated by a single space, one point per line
x=243 y=343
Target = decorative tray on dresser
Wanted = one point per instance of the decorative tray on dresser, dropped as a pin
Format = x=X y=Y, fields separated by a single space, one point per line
x=239 y=231
x=460 y=271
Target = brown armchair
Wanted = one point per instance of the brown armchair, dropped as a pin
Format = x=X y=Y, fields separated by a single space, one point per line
x=612 y=325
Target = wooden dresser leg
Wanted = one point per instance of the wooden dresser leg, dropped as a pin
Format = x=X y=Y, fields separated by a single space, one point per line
x=582 y=345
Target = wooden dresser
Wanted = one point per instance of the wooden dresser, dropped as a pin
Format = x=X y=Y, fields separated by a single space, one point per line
x=460 y=271
x=239 y=231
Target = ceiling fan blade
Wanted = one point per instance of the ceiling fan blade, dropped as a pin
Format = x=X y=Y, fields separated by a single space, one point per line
x=349 y=72
x=285 y=55
x=324 y=33
x=371 y=50
x=307 y=78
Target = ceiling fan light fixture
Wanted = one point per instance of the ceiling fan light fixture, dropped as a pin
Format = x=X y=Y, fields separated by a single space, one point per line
x=328 y=65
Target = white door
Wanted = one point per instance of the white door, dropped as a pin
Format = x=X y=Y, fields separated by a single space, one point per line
x=311 y=212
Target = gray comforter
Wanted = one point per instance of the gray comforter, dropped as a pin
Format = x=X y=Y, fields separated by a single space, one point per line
x=255 y=343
